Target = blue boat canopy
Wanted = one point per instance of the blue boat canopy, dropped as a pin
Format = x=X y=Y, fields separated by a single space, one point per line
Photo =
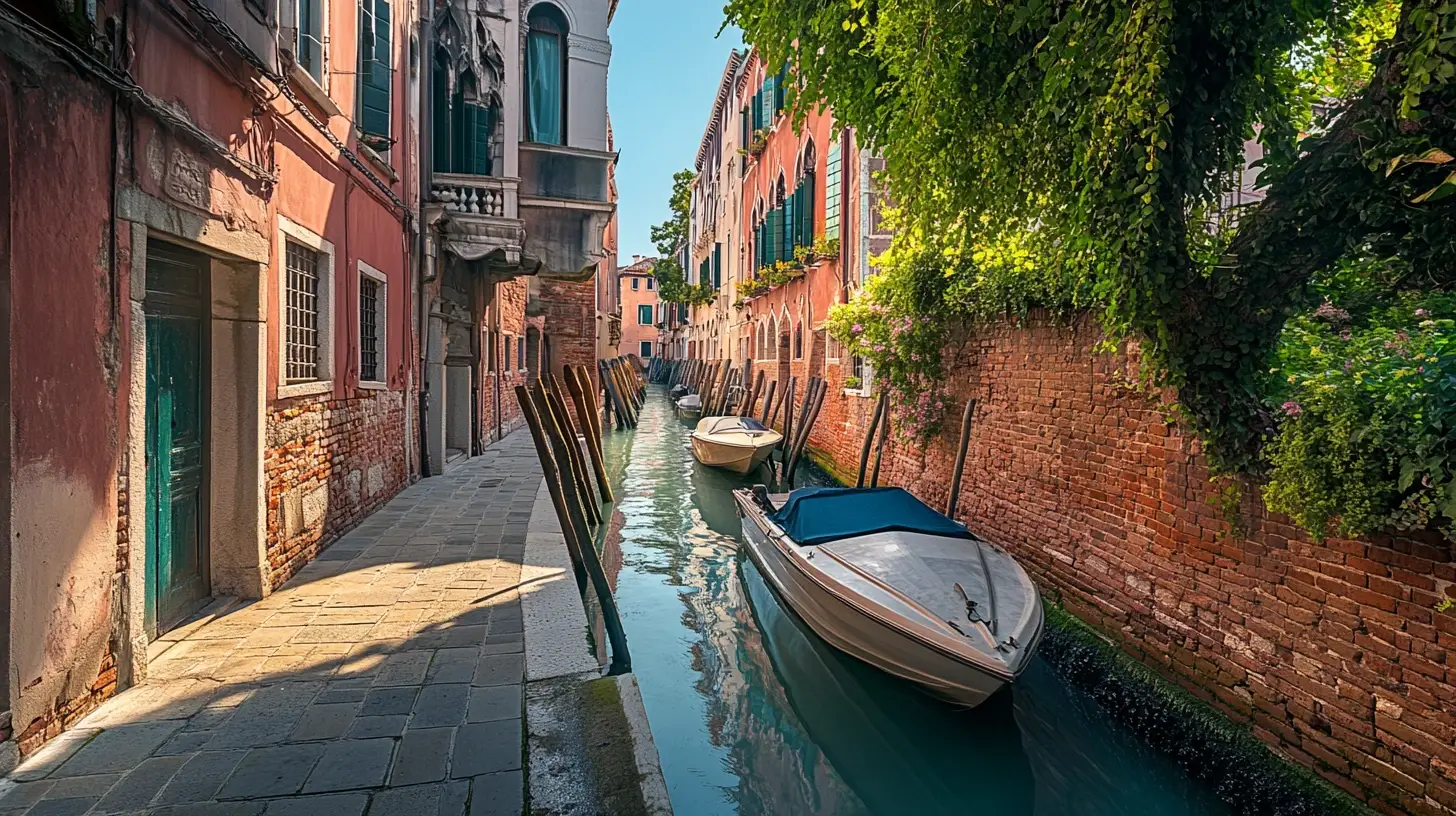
x=819 y=515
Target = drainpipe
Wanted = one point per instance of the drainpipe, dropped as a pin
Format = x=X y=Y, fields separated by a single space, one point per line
x=427 y=161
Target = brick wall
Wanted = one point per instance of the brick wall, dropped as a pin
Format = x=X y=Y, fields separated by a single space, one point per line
x=571 y=322
x=1334 y=653
x=328 y=464
x=66 y=713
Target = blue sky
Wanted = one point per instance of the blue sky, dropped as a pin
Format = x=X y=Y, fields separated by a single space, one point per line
x=665 y=69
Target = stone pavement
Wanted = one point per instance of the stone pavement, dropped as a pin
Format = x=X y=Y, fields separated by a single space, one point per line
x=385 y=678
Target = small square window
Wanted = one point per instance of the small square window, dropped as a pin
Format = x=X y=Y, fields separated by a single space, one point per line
x=650 y=283
x=635 y=283
x=644 y=314
x=646 y=349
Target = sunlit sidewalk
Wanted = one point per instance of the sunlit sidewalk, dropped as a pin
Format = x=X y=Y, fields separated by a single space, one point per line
x=386 y=677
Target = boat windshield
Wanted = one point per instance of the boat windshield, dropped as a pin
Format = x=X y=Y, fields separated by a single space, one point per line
x=819 y=515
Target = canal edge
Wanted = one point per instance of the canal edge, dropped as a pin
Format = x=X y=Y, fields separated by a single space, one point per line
x=569 y=705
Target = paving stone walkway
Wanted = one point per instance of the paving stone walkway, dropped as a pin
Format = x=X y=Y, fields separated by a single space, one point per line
x=385 y=678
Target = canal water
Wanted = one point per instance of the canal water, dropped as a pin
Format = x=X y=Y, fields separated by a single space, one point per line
x=753 y=714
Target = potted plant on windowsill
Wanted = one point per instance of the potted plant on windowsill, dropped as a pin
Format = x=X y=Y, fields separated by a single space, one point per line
x=852 y=383
x=758 y=143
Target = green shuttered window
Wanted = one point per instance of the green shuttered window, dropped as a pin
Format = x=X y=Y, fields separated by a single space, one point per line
x=376 y=76
x=717 y=266
x=832 y=174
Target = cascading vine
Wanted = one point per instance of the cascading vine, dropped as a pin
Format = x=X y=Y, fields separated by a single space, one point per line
x=1081 y=154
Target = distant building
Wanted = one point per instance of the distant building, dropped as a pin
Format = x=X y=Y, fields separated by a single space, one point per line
x=642 y=308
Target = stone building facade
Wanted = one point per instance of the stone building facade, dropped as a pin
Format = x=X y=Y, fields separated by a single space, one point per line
x=233 y=323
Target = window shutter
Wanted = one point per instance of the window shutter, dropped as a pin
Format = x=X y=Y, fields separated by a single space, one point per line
x=807 y=208
x=374 y=67
x=484 y=121
x=717 y=266
x=771 y=240
x=440 y=121
x=831 y=191
x=791 y=213
x=781 y=82
x=767 y=101
x=747 y=133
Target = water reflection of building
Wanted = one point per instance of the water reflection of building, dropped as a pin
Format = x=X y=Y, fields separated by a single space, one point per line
x=779 y=768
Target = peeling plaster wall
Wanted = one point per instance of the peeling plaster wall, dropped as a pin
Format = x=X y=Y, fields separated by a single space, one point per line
x=64 y=366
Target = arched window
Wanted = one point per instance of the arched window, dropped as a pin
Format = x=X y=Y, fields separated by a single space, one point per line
x=798 y=341
x=773 y=339
x=546 y=75
x=464 y=131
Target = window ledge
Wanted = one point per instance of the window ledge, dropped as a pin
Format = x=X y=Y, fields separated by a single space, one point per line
x=371 y=385
x=380 y=163
x=857 y=392
x=311 y=88
x=305 y=389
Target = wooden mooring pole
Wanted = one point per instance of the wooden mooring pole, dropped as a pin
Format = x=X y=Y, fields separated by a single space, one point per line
x=569 y=513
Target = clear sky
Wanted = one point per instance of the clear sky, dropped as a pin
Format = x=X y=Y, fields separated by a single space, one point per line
x=665 y=69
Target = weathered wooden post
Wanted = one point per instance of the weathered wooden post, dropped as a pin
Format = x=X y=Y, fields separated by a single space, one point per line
x=960 y=462
x=788 y=418
x=880 y=446
x=864 y=453
x=552 y=391
x=596 y=573
x=584 y=412
x=812 y=403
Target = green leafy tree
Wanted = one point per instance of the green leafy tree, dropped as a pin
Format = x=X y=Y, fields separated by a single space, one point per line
x=669 y=237
x=1097 y=140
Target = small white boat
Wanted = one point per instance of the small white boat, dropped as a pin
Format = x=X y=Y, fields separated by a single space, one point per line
x=739 y=444
x=677 y=392
x=691 y=405
x=886 y=579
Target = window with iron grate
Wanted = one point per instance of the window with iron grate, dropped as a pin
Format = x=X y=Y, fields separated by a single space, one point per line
x=368 y=329
x=301 y=317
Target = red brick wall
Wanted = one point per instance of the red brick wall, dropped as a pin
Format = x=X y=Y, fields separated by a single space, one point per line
x=328 y=464
x=1334 y=652
x=571 y=322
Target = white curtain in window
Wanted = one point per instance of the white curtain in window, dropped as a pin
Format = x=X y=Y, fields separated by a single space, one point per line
x=543 y=66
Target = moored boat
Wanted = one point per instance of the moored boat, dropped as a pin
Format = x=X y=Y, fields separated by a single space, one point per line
x=886 y=579
x=739 y=444
x=690 y=405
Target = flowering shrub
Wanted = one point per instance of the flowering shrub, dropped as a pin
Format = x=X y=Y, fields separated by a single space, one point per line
x=1365 y=396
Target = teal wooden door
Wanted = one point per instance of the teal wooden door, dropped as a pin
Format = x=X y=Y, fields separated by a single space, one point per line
x=176 y=507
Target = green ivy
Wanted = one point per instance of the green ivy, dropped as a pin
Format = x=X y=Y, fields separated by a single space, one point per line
x=1078 y=153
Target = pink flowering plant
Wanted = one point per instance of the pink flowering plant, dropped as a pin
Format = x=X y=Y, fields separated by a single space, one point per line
x=904 y=348
x=1363 y=390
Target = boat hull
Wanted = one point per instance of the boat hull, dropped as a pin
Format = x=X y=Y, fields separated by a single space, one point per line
x=735 y=458
x=847 y=628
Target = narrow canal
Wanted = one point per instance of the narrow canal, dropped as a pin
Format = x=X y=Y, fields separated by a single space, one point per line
x=753 y=714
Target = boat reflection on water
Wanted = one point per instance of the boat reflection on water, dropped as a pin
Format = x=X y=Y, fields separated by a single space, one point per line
x=897 y=748
x=713 y=496
x=753 y=715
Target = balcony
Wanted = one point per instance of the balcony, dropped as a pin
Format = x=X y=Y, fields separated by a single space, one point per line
x=565 y=206
x=564 y=174
x=477 y=218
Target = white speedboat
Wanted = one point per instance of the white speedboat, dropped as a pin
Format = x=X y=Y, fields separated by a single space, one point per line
x=690 y=405
x=886 y=579
x=739 y=444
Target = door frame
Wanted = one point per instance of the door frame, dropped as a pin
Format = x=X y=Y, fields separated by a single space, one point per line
x=236 y=334
x=158 y=626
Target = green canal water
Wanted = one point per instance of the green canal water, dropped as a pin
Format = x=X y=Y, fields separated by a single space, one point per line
x=753 y=714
